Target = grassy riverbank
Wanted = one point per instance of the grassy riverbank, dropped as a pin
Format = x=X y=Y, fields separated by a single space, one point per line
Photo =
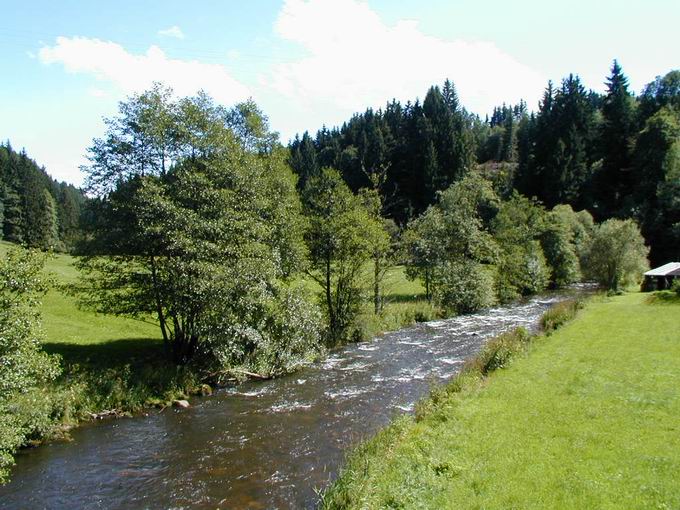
x=589 y=419
x=114 y=365
x=118 y=364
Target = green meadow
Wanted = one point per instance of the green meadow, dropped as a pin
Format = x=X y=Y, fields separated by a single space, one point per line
x=586 y=417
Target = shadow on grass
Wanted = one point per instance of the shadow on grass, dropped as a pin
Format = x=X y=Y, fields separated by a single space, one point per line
x=112 y=353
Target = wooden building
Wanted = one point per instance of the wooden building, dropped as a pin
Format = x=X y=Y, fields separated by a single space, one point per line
x=662 y=277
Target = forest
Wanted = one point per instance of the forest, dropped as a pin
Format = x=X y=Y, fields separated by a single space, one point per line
x=613 y=154
x=35 y=210
x=253 y=258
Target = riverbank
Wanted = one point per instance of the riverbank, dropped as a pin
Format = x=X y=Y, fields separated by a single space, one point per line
x=589 y=419
x=116 y=366
x=265 y=444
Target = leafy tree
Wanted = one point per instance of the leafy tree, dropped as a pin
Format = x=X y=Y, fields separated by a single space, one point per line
x=464 y=286
x=522 y=267
x=23 y=365
x=450 y=243
x=341 y=238
x=617 y=255
x=201 y=233
x=557 y=241
x=383 y=233
x=565 y=239
x=422 y=248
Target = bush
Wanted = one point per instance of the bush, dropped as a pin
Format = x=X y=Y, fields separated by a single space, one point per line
x=274 y=334
x=559 y=314
x=676 y=286
x=464 y=287
x=522 y=271
x=24 y=367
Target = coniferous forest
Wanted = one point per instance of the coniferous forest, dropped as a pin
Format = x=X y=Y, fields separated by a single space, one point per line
x=36 y=210
x=613 y=154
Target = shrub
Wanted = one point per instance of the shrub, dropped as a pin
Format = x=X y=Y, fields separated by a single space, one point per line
x=464 y=287
x=274 y=334
x=24 y=367
x=676 y=286
x=560 y=314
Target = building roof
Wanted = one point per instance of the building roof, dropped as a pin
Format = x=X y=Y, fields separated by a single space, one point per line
x=670 y=269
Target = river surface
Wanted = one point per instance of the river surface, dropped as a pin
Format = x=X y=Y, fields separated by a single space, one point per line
x=268 y=444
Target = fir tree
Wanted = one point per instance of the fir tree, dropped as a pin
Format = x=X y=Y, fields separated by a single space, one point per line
x=616 y=144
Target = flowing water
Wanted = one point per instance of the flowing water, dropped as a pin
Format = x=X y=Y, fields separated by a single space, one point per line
x=265 y=444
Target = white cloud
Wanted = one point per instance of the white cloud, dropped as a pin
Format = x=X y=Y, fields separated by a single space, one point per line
x=173 y=31
x=110 y=62
x=95 y=92
x=356 y=60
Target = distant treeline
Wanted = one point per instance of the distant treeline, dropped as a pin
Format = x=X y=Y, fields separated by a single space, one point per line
x=36 y=210
x=614 y=154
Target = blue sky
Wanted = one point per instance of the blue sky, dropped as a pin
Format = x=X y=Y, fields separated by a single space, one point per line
x=66 y=64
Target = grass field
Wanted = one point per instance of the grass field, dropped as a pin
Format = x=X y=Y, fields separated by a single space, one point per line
x=65 y=323
x=589 y=419
x=110 y=363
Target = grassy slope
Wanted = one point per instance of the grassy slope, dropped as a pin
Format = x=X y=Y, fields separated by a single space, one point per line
x=590 y=419
x=110 y=363
x=84 y=336
x=64 y=322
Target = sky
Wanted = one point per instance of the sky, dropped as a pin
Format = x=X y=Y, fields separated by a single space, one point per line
x=65 y=66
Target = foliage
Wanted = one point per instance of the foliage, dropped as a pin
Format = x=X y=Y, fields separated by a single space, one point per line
x=612 y=181
x=463 y=286
x=268 y=334
x=35 y=209
x=657 y=163
x=564 y=241
x=383 y=244
x=24 y=367
x=522 y=267
x=421 y=148
x=450 y=242
x=617 y=255
x=341 y=238
x=198 y=223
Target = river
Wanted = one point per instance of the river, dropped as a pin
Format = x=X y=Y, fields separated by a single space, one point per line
x=268 y=444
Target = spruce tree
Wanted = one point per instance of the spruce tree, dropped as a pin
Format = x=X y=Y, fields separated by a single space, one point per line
x=46 y=234
x=617 y=133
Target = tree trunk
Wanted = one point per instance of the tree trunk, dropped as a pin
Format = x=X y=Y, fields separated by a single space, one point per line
x=376 y=285
x=159 y=305
x=329 y=298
